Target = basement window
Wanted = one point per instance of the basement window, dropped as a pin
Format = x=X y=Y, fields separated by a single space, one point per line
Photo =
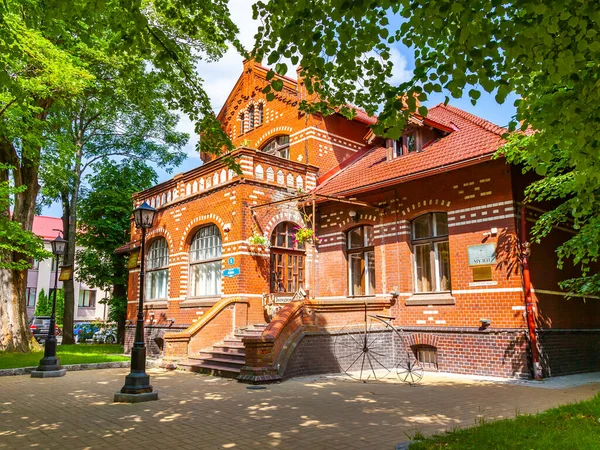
x=426 y=355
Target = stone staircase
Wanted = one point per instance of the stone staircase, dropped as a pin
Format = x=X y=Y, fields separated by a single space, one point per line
x=226 y=358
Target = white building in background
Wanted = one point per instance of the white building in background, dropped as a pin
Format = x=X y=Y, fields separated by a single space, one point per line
x=41 y=276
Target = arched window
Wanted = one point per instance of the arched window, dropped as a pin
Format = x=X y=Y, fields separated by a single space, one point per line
x=287 y=259
x=432 y=253
x=426 y=355
x=278 y=146
x=157 y=270
x=251 y=117
x=242 y=123
x=361 y=260
x=205 y=262
x=260 y=114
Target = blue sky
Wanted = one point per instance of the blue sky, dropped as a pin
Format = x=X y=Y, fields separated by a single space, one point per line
x=219 y=78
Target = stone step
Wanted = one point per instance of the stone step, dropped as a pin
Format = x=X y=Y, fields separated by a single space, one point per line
x=230 y=348
x=211 y=354
x=217 y=370
x=224 y=364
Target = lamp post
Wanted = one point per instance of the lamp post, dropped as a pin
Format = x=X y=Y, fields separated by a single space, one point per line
x=137 y=386
x=50 y=364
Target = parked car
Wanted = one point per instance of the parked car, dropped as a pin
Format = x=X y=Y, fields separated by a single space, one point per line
x=40 y=326
x=83 y=331
x=106 y=335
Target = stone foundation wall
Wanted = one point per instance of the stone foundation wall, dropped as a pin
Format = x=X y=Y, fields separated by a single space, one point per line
x=154 y=337
x=497 y=353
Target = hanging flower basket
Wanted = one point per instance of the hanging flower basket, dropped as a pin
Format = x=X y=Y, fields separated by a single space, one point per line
x=259 y=239
x=305 y=236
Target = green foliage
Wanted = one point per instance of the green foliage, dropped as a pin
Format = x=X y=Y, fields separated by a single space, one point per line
x=60 y=306
x=105 y=212
x=547 y=52
x=43 y=307
x=13 y=238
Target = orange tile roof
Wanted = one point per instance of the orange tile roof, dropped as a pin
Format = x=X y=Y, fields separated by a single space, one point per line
x=472 y=138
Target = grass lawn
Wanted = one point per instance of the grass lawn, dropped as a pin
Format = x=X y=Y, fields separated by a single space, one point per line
x=575 y=426
x=68 y=354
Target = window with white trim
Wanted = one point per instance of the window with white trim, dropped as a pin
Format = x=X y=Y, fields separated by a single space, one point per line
x=361 y=260
x=278 y=146
x=259 y=114
x=431 y=253
x=157 y=270
x=251 y=117
x=87 y=298
x=205 y=262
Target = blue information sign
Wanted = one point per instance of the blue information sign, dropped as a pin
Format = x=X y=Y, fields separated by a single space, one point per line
x=231 y=260
x=231 y=272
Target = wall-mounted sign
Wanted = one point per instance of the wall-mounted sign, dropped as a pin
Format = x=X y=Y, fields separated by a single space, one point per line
x=481 y=255
x=230 y=260
x=66 y=273
x=132 y=263
x=482 y=273
x=231 y=272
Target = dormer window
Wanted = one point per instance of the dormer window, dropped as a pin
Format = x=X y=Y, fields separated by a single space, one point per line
x=278 y=146
x=409 y=143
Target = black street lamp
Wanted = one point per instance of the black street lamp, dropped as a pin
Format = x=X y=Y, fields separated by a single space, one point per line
x=137 y=386
x=50 y=364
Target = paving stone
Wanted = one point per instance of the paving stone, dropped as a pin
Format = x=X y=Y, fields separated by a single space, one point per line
x=197 y=411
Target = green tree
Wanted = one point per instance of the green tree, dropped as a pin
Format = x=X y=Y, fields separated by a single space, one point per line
x=547 y=52
x=60 y=306
x=43 y=306
x=44 y=62
x=105 y=215
x=124 y=117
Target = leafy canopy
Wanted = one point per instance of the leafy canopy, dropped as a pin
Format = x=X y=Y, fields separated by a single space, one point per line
x=547 y=52
x=105 y=216
x=13 y=238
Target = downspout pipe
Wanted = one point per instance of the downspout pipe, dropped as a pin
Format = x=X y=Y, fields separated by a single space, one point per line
x=525 y=252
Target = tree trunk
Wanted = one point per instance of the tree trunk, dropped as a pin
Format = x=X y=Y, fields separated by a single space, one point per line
x=70 y=235
x=14 y=329
x=120 y=292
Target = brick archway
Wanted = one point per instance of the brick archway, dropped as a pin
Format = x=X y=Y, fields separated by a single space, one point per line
x=205 y=218
x=415 y=339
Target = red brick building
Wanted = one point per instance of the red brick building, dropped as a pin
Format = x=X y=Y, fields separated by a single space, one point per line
x=432 y=218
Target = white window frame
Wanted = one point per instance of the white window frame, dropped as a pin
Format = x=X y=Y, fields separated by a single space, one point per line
x=433 y=241
x=212 y=257
x=157 y=263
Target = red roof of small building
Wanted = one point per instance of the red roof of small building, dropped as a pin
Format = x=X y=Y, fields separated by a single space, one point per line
x=43 y=226
x=472 y=138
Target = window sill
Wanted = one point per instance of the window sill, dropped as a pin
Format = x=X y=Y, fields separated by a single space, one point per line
x=191 y=302
x=155 y=302
x=431 y=298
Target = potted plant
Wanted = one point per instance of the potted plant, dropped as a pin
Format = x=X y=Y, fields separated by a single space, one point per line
x=258 y=239
x=306 y=235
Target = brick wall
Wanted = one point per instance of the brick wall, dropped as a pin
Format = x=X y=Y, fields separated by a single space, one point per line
x=569 y=351
x=153 y=337
x=501 y=354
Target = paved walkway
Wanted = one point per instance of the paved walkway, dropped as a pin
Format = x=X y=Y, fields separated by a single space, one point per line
x=199 y=412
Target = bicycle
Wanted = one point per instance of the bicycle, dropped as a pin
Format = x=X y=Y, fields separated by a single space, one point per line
x=381 y=346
